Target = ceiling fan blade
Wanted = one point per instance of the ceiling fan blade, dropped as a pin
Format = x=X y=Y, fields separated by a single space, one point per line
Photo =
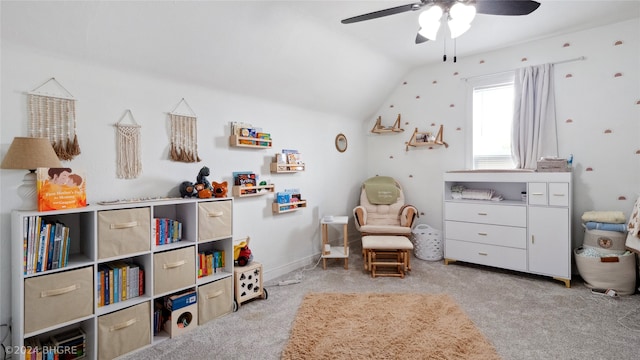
x=506 y=7
x=420 y=39
x=385 y=12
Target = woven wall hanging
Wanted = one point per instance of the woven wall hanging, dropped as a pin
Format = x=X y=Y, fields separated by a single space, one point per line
x=128 y=160
x=52 y=115
x=184 y=134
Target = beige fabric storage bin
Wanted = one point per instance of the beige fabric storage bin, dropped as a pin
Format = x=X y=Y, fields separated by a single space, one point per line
x=122 y=232
x=124 y=331
x=214 y=300
x=173 y=270
x=56 y=298
x=618 y=275
x=214 y=220
x=610 y=242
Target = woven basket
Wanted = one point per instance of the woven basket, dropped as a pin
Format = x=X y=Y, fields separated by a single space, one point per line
x=427 y=243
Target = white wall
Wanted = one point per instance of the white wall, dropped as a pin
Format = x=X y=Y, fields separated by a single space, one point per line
x=606 y=165
x=281 y=242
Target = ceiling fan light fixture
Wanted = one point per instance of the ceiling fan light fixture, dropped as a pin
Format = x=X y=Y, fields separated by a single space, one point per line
x=460 y=18
x=429 y=21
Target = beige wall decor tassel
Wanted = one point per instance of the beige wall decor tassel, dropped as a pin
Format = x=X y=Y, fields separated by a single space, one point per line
x=184 y=135
x=53 y=115
x=128 y=159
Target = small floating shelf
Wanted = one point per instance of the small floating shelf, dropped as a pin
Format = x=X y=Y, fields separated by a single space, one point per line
x=286 y=168
x=288 y=207
x=250 y=142
x=418 y=136
x=379 y=129
x=258 y=190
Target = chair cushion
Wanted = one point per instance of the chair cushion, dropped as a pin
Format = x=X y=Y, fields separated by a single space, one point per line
x=381 y=242
x=385 y=229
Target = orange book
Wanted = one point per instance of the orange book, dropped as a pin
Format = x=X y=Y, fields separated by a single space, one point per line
x=60 y=188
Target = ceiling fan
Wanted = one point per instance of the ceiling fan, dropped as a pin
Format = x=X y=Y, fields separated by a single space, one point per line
x=459 y=14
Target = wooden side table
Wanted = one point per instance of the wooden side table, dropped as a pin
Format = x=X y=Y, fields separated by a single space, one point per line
x=334 y=252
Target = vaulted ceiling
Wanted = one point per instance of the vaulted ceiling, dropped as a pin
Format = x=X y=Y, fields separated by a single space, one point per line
x=295 y=52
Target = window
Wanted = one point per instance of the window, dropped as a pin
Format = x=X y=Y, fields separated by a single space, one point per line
x=491 y=119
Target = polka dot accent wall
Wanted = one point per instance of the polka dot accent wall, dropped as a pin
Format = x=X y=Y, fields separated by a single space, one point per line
x=597 y=116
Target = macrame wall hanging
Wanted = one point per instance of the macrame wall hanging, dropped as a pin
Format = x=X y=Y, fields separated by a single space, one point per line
x=128 y=160
x=52 y=115
x=184 y=134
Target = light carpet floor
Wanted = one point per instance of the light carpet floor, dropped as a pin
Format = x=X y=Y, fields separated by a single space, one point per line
x=523 y=316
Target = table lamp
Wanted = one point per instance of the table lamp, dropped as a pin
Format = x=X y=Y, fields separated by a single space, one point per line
x=30 y=153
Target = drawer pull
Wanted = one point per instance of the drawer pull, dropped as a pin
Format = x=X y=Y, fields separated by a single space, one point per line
x=216 y=213
x=533 y=240
x=537 y=193
x=558 y=194
x=123 y=325
x=215 y=294
x=482 y=213
x=482 y=234
x=174 y=264
x=60 y=291
x=124 y=225
x=483 y=253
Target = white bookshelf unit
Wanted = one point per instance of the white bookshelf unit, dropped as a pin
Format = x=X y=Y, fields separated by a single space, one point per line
x=54 y=301
x=530 y=234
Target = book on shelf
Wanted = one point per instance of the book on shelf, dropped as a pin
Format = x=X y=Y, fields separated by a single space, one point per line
x=119 y=281
x=166 y=231
x=60 y=188
x=45 y=243
x=209 y=262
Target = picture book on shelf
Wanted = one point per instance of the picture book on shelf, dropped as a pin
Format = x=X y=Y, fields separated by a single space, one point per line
x=60 y=188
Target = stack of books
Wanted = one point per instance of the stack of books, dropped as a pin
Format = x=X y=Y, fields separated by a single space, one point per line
x=46 y=244
x=119 y=281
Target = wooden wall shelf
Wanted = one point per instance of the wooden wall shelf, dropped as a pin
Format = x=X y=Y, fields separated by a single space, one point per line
x=379 y=129
x=286 y=168
x=419 y=138
x=288 y=207
x=250 y=142
x=258 y=190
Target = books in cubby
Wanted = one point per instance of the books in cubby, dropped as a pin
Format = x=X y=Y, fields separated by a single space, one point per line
x=60 y=188
x=209 y=262
x=69 y=345
x=118 y=281
x=46 y=244
x=166 y=231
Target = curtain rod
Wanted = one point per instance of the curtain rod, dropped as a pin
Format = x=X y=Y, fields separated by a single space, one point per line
x=580 y=58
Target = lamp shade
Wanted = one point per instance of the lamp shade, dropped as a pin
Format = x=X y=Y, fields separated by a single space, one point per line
x=30 y=153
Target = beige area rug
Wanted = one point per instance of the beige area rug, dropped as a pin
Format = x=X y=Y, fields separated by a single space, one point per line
x=384 y=326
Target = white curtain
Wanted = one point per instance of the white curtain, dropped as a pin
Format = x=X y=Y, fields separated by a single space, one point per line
x=534 y=116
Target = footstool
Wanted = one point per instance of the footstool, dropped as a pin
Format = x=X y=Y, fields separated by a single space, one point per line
x=387 y=252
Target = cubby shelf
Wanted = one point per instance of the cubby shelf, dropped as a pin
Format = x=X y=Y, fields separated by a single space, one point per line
x=286 y=168
x=252 y=142
x=246 y=191
x=288 y=207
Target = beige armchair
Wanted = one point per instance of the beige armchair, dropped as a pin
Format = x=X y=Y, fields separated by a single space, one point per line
x=382 y=209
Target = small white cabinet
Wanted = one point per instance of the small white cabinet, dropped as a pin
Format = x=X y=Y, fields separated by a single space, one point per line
x=529 y=234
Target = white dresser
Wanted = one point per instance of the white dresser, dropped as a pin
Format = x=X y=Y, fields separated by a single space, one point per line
x=530 y=235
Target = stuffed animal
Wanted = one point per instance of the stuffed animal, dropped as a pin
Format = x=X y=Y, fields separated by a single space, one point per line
x=220 y=189
x=187 y=189
x=202 y=178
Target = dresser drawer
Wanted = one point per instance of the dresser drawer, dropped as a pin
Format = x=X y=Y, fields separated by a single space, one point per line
x=486 y=213
x=174 y=270
x=215 y=300
x=558 y=194
x=214 y=220
x=124 y=331
x=510 y=236
x=57 y=298
x=490 y=255
x=537 y=194
x=122 y=232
